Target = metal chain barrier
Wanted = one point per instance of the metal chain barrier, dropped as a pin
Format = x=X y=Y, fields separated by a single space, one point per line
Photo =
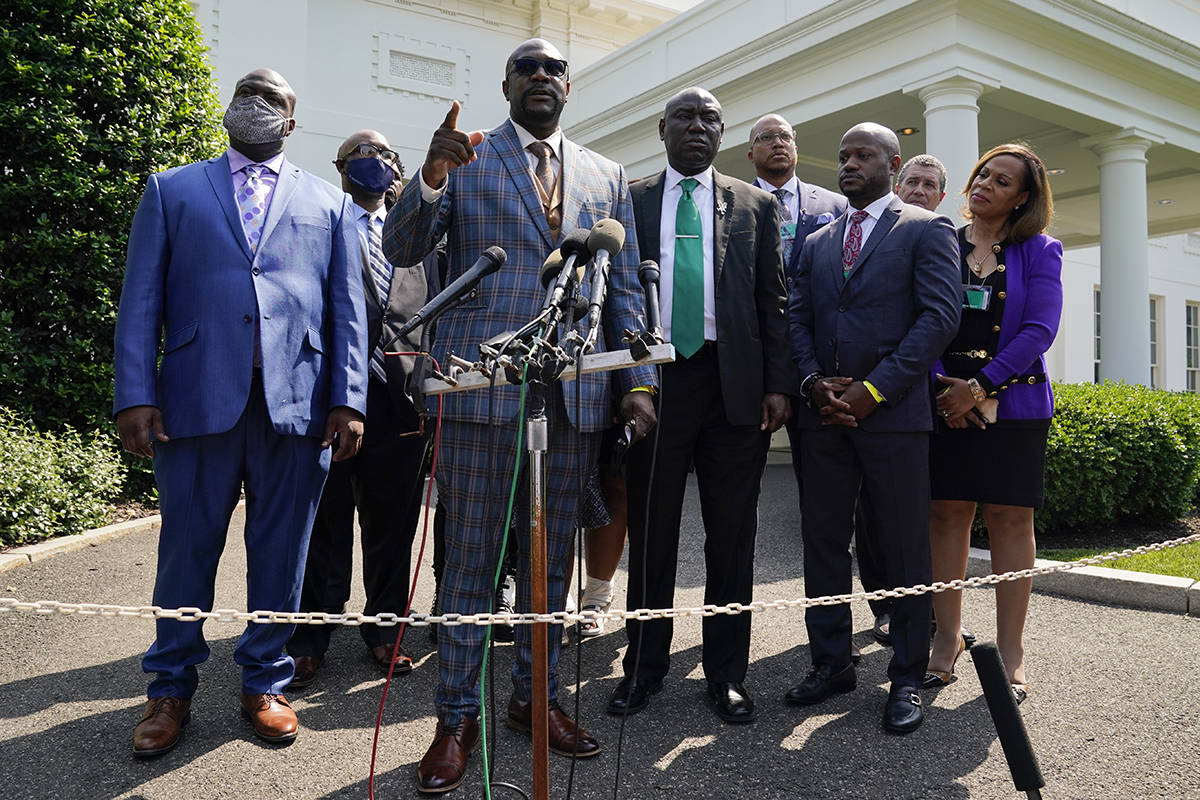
x=11 y=604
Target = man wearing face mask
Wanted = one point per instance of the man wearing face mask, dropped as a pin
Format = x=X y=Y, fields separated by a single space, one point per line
x=384 y=481
x=247 y=271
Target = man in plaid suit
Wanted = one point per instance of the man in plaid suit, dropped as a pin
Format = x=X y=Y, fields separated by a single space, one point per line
x=522 y=186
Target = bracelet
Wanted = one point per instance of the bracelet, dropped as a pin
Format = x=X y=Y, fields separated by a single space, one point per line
x=651 y=390
x=977 y=391
x=808 y=382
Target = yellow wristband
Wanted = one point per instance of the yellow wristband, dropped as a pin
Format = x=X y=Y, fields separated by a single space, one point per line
x=652 y=390
x=874 y=392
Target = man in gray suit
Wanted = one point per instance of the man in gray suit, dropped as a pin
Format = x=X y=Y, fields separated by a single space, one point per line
x=717 y=241
x=875 y=302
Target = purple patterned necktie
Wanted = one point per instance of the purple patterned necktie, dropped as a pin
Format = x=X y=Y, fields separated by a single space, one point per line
x=252 y=204
x=854 y=241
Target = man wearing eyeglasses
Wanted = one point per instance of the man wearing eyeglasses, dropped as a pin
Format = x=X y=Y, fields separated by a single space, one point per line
x=522 y=186
x=384 y=481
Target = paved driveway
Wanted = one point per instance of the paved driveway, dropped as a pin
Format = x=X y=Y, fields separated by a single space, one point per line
x=1114 y=711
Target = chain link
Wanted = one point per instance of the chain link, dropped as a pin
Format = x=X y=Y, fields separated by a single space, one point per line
x=388 y=619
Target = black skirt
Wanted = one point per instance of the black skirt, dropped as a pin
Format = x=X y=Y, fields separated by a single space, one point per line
x=1004 y=463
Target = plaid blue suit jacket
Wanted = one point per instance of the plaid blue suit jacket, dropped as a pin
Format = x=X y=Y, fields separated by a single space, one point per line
x=493 y=201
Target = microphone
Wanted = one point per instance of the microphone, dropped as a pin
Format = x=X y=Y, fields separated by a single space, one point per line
x=606 y=239
x=492 y=259
x=574 y=250
x=648 y=276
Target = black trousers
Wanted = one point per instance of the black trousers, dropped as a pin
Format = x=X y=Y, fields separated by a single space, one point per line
x=892 y=472
x=729 y=462
x=383 y=482
x=870 y=570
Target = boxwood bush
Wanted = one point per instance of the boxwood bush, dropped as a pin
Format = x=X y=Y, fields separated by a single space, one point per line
x=1120 y=452
x=53 y=484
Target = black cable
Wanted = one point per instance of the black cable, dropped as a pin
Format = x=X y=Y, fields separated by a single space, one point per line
x=581 y=558
x=637 y=652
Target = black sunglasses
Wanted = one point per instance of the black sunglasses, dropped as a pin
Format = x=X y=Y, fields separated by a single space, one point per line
x=555 y=67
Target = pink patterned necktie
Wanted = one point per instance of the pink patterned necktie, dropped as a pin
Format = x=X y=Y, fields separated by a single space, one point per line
x=854 y=241
x=252 y=204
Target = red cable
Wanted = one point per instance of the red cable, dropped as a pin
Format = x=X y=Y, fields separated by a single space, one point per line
x=437 y=438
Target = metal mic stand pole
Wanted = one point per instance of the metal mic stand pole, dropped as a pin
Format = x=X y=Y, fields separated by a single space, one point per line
x=537 y=436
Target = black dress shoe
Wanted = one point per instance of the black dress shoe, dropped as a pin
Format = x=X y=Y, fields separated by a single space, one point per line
x=855 y=654
x=903 y=712
x=882 y=629
x=820 y=683
x=631 y=696
x=732 y=702
x=968 y=638
x=305 y=672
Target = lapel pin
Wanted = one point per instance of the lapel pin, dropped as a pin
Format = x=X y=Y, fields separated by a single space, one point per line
x=720 y=208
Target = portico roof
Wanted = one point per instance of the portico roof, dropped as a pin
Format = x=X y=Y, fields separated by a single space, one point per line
x=1060 y=74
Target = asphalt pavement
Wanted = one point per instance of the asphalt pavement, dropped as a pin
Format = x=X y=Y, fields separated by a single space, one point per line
x=1113 y=712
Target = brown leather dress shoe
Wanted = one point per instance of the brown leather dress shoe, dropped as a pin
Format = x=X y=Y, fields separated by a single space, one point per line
x=159 y=728
x=444 y=764
x=566 y=738
x=272 y=717
x=382 y=656
x=306 y=671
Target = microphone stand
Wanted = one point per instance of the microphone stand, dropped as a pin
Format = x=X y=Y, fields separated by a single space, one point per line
x=535 y=348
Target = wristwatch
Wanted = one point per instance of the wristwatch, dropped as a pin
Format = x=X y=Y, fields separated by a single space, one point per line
x=977 y=391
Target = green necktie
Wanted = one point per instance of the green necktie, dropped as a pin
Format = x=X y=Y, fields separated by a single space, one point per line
x=687 y=304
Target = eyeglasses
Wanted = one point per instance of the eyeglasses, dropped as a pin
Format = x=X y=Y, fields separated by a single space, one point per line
x=366 y=150
x=771 y=137
x=555 y=67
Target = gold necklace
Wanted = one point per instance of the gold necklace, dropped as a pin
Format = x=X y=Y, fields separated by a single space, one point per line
x=977 y=268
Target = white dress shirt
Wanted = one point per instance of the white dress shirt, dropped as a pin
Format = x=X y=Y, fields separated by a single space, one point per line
x=874 y=210
x=703 y=196
x=792 y=198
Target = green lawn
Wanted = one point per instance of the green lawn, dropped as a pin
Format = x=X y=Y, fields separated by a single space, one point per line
x=1182 y=561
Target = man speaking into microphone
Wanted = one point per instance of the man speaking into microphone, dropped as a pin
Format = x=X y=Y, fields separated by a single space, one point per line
x=521 y=186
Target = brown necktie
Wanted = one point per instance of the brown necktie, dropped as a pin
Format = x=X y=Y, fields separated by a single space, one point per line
x=544 y=170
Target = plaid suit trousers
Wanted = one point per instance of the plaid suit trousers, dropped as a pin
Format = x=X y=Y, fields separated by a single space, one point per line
x=474 y=490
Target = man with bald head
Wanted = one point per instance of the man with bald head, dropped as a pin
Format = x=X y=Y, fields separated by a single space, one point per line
x=716 y=240
x=522 y=186
x=875 y=302
x=384 y=481
x=247 y=271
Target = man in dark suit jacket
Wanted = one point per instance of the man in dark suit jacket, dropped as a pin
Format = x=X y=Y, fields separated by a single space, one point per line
x=522 y=186
x=247 y=270
x=876 y=300
x=717 y=241
x=384 y=482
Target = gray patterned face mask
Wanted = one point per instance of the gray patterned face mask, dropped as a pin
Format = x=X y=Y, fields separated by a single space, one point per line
x=252 y=120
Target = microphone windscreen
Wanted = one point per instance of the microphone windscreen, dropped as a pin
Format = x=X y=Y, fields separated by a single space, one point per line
x=576 y=244
x=551 y=267
x=648 y=272
x=607 y=235
x=497 y=256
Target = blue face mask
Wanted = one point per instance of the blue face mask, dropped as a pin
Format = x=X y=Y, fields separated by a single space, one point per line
x=371 y=174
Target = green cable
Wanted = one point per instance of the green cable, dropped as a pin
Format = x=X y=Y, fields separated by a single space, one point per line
x=512 y=498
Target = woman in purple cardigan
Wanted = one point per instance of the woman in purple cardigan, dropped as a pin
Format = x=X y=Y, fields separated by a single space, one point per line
x=994 y=399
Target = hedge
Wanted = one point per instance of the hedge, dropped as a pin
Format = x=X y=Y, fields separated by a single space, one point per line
x=53 y=484
x=1120 y=452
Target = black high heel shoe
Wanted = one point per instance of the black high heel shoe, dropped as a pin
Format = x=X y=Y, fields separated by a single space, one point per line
x=935 y=679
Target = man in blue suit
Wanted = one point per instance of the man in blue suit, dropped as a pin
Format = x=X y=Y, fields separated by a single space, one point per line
x=522 y=186
x=247 y=271
x=875 y=302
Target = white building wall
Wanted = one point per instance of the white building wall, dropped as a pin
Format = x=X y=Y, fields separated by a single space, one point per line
x=1174 y=277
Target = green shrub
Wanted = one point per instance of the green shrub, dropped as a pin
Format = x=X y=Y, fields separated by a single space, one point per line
x=1120 y=452
x=53 y=484
x=94 y=96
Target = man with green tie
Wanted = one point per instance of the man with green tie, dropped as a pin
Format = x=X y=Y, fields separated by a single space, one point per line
x=717 y=243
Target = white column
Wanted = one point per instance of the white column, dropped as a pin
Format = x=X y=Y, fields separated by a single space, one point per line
x=952 y=134
x=1124 y=256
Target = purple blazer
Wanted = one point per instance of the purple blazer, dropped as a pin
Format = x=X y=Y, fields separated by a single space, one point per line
x=1027 y=329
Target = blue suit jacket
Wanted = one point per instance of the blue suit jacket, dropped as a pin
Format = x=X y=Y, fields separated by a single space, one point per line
x=492 y=201
x=192 y=285
x=888 y=321
x=814 y=202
